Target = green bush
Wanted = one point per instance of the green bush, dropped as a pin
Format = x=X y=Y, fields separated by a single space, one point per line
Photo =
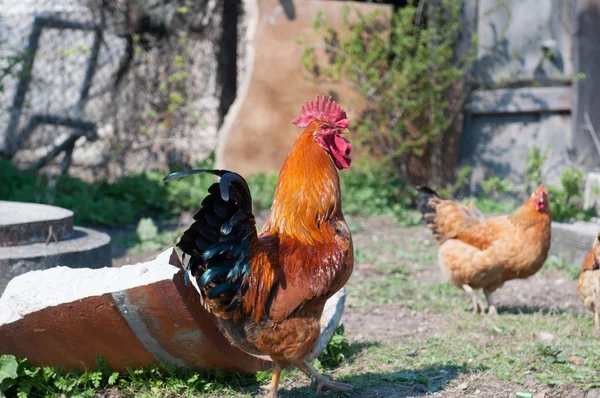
x=368 y=188
x=406 y=76
x=121 y=202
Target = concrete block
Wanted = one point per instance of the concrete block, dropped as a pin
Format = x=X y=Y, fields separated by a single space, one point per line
x=83 y=248
x=135 y=315
x=573 y=241
x=27 y=223
x=592 y=192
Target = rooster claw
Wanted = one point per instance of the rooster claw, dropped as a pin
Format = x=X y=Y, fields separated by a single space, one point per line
x=492 y=311
x=324 y=385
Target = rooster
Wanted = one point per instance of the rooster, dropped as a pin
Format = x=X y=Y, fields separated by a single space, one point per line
x=483 y=254
x=588 y=285
x=267 y=290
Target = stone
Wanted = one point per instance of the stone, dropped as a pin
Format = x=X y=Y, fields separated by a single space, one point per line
x=84 y=247
x=545 y=337
x=592 y=192
x=257 y=133
x=577 y=361
x=573 y=241
x=26 y=223
x=135 y=315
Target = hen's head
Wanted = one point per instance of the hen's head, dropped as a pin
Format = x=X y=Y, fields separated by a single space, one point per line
x=539 y=199
x=330 y=123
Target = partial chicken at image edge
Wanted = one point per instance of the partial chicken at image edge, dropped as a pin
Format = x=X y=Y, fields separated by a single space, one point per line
x=588 y=284
x=268 y=289
x=477 y=253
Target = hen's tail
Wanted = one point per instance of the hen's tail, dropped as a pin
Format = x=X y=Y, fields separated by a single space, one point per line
x=427 y=201
x=592 y=259
x=445 y=218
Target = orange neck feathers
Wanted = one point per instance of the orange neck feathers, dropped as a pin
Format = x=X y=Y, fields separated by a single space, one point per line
x=307 y=193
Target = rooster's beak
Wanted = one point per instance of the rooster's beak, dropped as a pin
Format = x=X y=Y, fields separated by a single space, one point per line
x=344 y=131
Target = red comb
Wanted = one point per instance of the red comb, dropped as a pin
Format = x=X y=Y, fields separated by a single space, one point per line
x=541 y=189
x=328 y=112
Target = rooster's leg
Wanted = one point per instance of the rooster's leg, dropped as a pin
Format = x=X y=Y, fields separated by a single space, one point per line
x=274 y=386
x=477 y=303
x=597 y=324
x=492 y=311
x=323 y=384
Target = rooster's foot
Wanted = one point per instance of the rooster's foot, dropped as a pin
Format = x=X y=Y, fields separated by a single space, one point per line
x=324 y=384
x=597 y=324
x=273 y=388
x=492 y=311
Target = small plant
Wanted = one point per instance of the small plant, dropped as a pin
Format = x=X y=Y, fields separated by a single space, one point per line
x=19 y=379
x=535 y=163
x=149 y=239
x=336 y=350
x=495 y=186
x=562 y=198
x=559 y=263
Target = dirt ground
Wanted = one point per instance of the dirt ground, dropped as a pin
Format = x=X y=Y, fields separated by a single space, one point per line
x=367 y=322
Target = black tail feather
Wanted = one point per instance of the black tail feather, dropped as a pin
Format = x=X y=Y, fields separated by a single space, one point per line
x=427 y=200
x=185 y=173
x=218 y=242
x=424 y=194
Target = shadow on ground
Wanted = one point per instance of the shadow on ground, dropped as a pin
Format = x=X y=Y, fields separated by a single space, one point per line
x=528 y=310
x=406 y=383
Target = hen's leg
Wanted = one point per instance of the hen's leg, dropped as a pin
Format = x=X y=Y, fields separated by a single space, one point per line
x=597 y=324
x=477 y=303
x=323 y=384
x=274 y=386
x=492 y=311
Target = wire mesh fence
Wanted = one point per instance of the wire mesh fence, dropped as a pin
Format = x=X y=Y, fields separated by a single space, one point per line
x=109 y=86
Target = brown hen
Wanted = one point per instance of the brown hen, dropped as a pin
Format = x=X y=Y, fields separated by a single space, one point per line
x=483 y=254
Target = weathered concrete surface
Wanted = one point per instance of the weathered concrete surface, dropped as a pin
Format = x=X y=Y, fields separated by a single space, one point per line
x=591 y=197
x=513 y=37
x=83 y=248
x=573 y=241
x=26 y=223
x=258 y=132
x=497 y=145
x=522 y=42
x=586 y=56
x=132 y=316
